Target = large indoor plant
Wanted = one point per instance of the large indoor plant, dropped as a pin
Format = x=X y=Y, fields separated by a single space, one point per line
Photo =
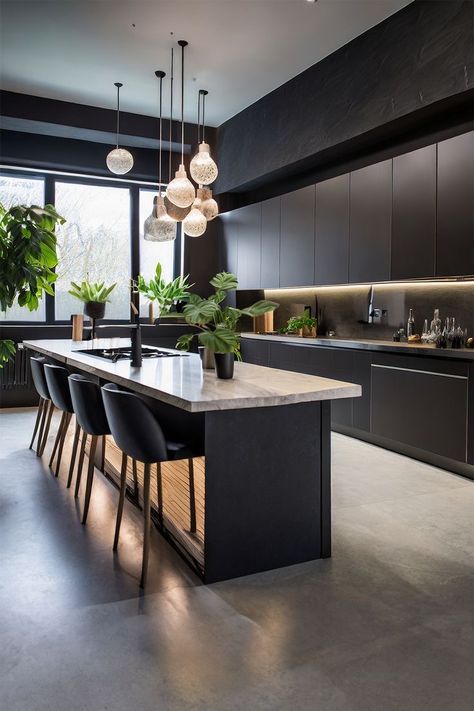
x=27 y=259
x=217 y=323
x=94 y=295
x=164 y=294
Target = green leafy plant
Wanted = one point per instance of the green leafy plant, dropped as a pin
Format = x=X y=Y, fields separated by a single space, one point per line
x=27 y=259
x=166 y=294
x=91 y=291
x=297 y=323
x=218 y=323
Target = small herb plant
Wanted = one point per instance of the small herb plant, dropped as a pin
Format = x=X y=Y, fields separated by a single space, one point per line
x=166 y=294
x=218 y=323
x=27 y=259
x=89 y=292
x=297 y=323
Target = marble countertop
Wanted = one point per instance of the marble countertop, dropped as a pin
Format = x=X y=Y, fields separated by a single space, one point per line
x=423 y=349
x=182 y=382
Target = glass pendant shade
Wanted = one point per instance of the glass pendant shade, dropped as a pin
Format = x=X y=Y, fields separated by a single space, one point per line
x=181 y=190
x=119 y=161
x=177 y=213
x=202 y=168
x=159 y=226
x=194 y=225
x=207 y=205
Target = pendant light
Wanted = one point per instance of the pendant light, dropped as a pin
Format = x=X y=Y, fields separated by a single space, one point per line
x=119 y=160
x=177 y=213
x=181 y=190
x=202 y=168
x=194 y=225
x=208 y=205
x=159 y=226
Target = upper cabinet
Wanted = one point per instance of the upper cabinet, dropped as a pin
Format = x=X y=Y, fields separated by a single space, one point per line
x=371 y=223
x=297 y=238
x=270 y=266
x=414 y=214
x=249 y=245
x=455 y=236
x=331 y=247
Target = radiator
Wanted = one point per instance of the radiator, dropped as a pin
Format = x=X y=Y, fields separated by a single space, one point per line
x=16 y=374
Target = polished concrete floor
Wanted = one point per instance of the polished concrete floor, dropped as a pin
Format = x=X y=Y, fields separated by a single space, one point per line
x=386 y=624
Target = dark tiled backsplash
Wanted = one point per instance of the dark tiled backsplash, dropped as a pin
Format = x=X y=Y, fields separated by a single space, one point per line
x=344 y=309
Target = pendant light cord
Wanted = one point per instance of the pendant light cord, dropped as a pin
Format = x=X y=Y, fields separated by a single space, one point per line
x=199 y=118
x=182 y=44
x=203 y=114
x=161 y=132
x=118 y=85
x=171 y=112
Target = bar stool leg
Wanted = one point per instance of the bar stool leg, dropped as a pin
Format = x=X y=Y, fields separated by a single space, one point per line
x=38 y=418
x=147 y=522
x=61 y=443
x=123 y=486
x=44 y=429
x=159 y=487
x=81 y=464
x=73 y=455
x=102 y=465
x=135 y=479
x=192 y=497
x=90 y=476
x=58 y=438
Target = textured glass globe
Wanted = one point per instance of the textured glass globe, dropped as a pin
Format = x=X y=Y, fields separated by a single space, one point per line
x=119 y=161
x=181 y=190
x=177 y=213
x=194 y=225
x=207 y=204
x=159 y=226
x=202 y=168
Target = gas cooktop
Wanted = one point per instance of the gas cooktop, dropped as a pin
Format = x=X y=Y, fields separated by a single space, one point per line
x=125 y=353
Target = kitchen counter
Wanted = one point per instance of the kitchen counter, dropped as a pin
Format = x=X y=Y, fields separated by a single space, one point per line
x=265 y=436
x=181 y=381
x=424 y=349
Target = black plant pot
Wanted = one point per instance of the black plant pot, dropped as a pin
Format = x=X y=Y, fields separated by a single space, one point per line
x=224 y=365
x=95 y=310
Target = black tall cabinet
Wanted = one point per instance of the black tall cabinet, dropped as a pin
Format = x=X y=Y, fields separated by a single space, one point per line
x=297 y=238
x=331 y=247
x=270 y=247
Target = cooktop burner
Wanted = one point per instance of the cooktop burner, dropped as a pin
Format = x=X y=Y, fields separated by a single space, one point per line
x=125 y=353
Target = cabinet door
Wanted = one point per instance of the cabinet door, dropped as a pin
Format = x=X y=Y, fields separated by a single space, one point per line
x=270 y=268
x=230 y=241
x=297 y=238
x=414 y=214
x=255 y=351
x=331 y=265
x=455 y=237
x=371 y=223
x=249 y=246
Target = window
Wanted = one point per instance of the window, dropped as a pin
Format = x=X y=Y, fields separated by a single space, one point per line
x=93 y=244
x=16 y=190
x=153 y=252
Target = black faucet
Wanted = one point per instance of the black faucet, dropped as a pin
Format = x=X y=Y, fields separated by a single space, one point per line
x=136 y=338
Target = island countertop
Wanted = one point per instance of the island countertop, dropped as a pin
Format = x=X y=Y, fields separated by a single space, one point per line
x=182 y=382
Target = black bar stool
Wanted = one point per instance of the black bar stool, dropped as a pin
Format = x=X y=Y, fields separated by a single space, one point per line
x=90 y=415
x=58 y=385
x=138 y=433
x=45 y=407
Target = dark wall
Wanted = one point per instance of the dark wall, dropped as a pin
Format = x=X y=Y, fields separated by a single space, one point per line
x=415 y=67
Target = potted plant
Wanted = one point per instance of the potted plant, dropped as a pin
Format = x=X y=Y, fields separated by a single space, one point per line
x=218 y=323
x=94 y=295
x=27 y=259
x=165 y=294
x=304 y=325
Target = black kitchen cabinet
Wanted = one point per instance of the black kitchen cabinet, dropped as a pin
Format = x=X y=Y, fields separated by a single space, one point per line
x=249 y=224
x=230 y=233
x=371 y=223
x=428 y=411
x=455 y=236
x=297 y=238
x=414 y=214
x=270 y=266
x=331 y=261
x=255 y=351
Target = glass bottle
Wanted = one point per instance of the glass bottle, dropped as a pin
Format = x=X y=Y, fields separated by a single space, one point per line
x=436 y=322
x=410 y=324
x=425 y=336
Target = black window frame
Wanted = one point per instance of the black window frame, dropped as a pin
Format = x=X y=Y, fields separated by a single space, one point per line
x=50 y=179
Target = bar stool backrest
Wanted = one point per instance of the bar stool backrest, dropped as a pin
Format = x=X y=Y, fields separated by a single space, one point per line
x=88 y=405
x=39 y=379
x=134 y=427
x=58 y=386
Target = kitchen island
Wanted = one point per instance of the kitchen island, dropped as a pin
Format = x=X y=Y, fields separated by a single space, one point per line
x=265 y=436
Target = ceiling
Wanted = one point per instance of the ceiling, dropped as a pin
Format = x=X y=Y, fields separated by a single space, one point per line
x=239 y=50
